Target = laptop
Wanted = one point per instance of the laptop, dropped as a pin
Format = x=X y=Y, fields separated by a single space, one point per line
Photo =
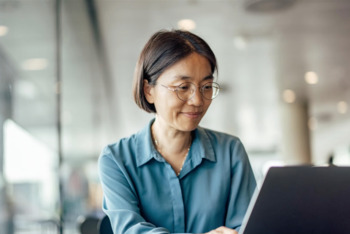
x=301 y=200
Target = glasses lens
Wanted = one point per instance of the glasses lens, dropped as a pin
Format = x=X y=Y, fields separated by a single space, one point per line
x=185 y=91
x=210 y=90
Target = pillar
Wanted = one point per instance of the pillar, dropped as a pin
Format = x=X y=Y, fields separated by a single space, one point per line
x=296 y=147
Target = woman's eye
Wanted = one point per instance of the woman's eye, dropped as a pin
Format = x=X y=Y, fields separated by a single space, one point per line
x=183 y=87
x=207 y=87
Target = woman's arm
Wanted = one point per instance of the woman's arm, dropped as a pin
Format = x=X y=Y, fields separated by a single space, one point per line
x=120 y=202
x=243 y=185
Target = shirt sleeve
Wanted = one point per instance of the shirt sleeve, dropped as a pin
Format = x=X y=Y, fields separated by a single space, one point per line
x=243 y=185
x=120 y=200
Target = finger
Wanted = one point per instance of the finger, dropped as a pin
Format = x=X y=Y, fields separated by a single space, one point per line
x=226 y=230
x=216 y=231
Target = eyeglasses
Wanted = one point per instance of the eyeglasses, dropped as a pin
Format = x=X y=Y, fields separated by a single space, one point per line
x=186 y=91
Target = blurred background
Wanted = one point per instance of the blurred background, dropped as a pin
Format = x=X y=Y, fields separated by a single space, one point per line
x=66 y=69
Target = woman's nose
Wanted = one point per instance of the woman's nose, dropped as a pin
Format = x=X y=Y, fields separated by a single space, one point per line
x=197 y=98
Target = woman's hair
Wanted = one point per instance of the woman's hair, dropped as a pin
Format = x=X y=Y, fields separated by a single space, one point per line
x=164 y=49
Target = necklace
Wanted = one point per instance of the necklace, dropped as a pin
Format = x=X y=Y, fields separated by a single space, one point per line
x=184 y=159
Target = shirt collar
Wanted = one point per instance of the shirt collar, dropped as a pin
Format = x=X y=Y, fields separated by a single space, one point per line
x=145 y=148
x=201 y=146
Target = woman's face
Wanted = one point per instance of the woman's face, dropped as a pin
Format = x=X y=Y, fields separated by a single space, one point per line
x=171 y=111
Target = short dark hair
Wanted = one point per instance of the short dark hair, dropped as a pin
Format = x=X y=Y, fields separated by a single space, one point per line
x=163 y=49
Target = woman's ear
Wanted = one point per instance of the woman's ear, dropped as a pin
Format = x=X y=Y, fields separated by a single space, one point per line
x=148 y=91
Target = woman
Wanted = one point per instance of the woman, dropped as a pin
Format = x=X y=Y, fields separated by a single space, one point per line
x=174 y=176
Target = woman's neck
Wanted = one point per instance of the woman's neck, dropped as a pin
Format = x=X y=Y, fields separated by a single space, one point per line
x=169 y=141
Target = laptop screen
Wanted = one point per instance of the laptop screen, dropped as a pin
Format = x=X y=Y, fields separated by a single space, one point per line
x=302 y=200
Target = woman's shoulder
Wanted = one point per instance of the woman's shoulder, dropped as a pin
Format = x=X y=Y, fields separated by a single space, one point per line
x=221 y=141
x=119 y=148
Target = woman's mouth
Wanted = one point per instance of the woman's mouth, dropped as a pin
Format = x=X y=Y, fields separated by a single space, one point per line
x=193 y=115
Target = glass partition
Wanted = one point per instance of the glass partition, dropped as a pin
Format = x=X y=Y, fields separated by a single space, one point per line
x=42 y=119
x=28 y=115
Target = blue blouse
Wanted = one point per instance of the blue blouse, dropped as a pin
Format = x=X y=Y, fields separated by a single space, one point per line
x=143 y=194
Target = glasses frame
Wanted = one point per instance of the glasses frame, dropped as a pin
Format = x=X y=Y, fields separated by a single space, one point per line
x=201 y=88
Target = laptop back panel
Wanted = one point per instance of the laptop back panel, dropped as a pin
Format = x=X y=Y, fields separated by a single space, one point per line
x=302 y=200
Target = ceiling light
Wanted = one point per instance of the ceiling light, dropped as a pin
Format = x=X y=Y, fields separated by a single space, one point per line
x=34 y=64
x=240 y=42
x=342 y=107
x=311 y=77
x=289 y=96
x=186 y=24
x=3 y=30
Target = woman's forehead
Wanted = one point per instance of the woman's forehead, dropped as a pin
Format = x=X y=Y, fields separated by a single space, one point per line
x=189 y=66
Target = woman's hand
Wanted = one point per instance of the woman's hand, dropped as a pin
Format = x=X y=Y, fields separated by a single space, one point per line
x=223 y=230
